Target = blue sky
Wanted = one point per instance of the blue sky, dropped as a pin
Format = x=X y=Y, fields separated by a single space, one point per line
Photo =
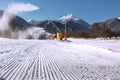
x=88 y=10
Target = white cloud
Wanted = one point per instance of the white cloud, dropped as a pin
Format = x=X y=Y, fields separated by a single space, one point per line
x=21 y=7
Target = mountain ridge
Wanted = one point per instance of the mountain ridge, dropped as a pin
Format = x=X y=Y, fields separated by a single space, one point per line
x=72 y=23
x=77 y=26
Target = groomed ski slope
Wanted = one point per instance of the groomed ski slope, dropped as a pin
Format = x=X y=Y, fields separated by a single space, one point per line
x=77 y=59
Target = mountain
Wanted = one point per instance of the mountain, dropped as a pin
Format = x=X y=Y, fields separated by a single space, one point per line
x=118 y=17
x=53 y=26
x=75 y=27
x=72 y=18
x=33 y=22
x=113 y=24
x=110 y=27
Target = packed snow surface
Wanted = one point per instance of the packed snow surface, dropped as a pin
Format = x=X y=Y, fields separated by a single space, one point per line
x=75 y=59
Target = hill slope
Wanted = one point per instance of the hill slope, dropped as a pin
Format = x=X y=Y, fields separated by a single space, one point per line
x=110 y=27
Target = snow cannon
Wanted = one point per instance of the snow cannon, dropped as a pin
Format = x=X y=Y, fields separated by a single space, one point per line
x=59 y=36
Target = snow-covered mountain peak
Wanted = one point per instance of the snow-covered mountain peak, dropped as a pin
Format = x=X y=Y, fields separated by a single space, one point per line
x=33 y=22
x=74 y=19
x=69 y=17
x=30 y=20
x=118 y=17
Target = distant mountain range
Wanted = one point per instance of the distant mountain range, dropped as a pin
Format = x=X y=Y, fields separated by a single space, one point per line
x=73 y=24
x=108 y=28
x=112 y=24
x=111 y=27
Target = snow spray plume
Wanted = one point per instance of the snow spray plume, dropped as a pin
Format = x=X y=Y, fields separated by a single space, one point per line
x=5 y=28
x=32 y=33
x=38 y=33
x=29 y=33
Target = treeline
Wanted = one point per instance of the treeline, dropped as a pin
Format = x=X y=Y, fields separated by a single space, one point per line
x=93 y=33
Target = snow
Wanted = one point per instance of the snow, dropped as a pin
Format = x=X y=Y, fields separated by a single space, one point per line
x=76 y=59
x=69 y=17
x=118 y=17
x=33 y=22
